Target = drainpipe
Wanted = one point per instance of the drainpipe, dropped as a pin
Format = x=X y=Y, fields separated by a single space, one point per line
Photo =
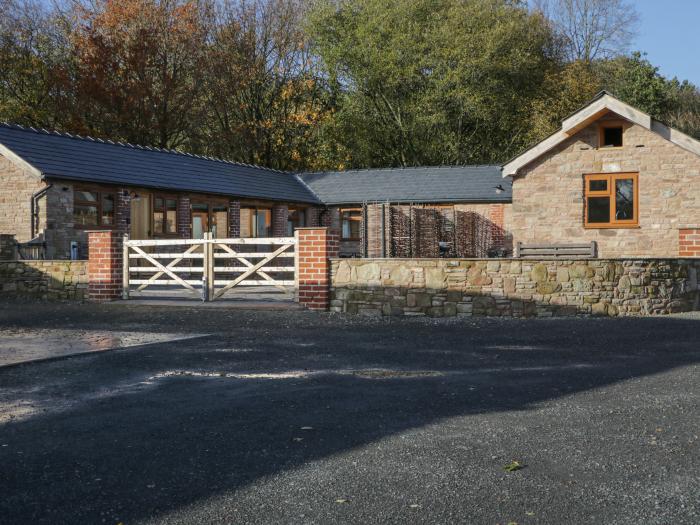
x=34 y=211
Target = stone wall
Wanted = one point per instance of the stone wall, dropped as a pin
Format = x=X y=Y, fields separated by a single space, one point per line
x=517 y=288
x=548 y=202
x=17 y=185
x=44 y=279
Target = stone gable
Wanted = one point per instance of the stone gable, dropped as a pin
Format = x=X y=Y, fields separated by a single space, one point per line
x=548 y=194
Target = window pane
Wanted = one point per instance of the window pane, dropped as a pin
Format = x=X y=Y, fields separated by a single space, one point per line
x=158 y=203
x=84 y=215
x=598 y=185
x=245 y=222
x=197 y=206
x=88 y=196
x=157 y=222
x=170 y=221
x=612 y=137
x=598 y=209
x=219 y=217
x=351 y=224
x=295 y=219
x=107 y=209
x=624 y=199
x=264 y=223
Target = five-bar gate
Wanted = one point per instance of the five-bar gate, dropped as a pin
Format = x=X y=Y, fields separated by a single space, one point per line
x=209 y=268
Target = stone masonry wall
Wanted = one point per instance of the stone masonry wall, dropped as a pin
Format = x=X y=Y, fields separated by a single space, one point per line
x=17 y=186
x=517 y=288
x=44 y=279
x=548 y=202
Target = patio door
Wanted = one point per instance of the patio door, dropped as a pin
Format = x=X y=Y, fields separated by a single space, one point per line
x=200 y=219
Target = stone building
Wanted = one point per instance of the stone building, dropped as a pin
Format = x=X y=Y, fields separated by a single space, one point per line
x=54 y=187
x=612 y=175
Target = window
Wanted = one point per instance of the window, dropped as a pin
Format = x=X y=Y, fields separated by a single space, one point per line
x=350 y=224
x=611 y=200
x=93 y=208
x=256 y=222
x=164 y=215
x=210 y=216
x=295 y=219
x=610 y=136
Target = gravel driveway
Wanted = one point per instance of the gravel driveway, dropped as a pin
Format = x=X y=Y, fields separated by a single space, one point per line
x=296 y=417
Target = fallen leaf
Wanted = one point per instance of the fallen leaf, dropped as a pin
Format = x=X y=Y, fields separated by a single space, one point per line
x=341 y=500
x=513 y=466
x=307 y=428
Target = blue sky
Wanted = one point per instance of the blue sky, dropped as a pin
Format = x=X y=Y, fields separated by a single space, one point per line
x=669 y=32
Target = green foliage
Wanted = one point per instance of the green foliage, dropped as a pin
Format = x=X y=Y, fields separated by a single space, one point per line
x=431 y=82
x=300 y=85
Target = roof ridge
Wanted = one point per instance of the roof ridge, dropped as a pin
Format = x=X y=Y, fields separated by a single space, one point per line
x=87 y=138
x=404 y=168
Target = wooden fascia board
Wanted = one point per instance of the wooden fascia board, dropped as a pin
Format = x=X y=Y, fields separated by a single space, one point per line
x=533 y=153
x=19 y=161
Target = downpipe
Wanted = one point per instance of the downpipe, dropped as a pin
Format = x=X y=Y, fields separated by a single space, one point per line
x=34 y=208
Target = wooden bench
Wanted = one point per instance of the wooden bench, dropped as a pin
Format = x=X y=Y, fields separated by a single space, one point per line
x=564 y=251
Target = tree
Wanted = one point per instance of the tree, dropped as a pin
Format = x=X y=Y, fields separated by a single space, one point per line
x=138 y=73
x=432 y=82
x=263 y=91
x=591 y=29
x=33 y=51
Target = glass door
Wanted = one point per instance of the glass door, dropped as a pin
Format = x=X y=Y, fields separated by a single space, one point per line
x=200 y=219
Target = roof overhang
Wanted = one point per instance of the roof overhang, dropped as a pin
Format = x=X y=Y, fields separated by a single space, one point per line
x=597 y=108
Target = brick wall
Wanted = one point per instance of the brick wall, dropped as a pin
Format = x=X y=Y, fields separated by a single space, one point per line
x=313 y=216
x=234 y=219
x=184 y=218
x=104 y=265
x=315 y=246
x=48 y=280
x=280 y=213
x=548 y=201
x=689 y=242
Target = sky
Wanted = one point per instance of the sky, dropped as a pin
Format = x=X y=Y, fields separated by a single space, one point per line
x=669 y=32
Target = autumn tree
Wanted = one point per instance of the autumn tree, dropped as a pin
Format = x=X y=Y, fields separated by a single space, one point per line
x=263 y=92
x=138 y=75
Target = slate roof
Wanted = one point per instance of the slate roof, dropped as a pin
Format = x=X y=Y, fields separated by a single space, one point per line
x=70 y=157
x=64 y=156
x=407 y=185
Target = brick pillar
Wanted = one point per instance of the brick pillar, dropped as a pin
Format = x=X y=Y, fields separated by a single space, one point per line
x=498 y=232
x=122 y=219
x=312 y=216
x=280 y=213
x=184 y=218
x=315 y=247
x=234 y=219
x=689 y=242
x=104 y=265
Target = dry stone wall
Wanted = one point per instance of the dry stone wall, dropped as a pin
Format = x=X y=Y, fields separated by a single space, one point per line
x=517 y=288
x=44 y=279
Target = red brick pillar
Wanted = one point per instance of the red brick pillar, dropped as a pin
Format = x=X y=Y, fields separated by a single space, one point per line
x=104 y=265
x=280 y=214
x=315 y=247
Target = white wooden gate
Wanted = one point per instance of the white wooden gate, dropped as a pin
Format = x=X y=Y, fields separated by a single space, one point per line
x=209 y=268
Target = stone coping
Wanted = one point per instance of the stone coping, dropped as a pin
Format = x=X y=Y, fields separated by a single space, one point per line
x=512 y=259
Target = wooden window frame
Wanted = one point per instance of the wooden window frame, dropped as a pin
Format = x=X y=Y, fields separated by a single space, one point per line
x=358 y=219
x=165 y=197
x=601 y=134
x=611 y=178
x=100 y=192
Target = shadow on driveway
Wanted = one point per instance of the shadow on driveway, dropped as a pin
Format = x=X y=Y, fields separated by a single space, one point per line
x=139 y=434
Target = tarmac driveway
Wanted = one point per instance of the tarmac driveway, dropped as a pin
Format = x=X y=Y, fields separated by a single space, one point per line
x=294 y=417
